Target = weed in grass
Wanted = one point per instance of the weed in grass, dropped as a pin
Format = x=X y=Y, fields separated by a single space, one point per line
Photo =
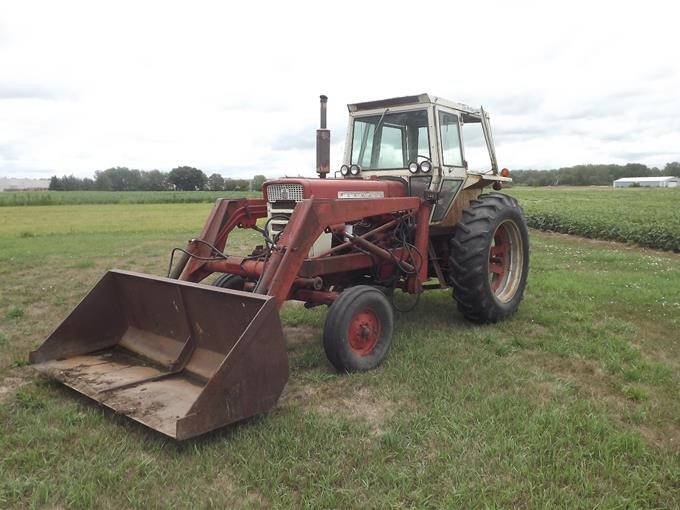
x=83 y=264
x=26 y=233
x=14 y=312
x=635 y=393
x=28 y=398
x=310 y=358
x=3 y=338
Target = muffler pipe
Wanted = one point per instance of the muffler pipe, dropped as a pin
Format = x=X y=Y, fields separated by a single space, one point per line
x=324 y=103
x=323 y=143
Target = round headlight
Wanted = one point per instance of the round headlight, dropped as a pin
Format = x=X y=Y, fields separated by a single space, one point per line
x=344 y=170
x=354 y=169
x=413 y=167
x=426 y=166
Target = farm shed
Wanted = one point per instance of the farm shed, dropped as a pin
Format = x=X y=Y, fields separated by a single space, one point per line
x=17 y=184
x=648 y=182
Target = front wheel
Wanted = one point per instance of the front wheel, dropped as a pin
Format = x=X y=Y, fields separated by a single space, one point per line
x=358 y=330
x=230 y=281
x=490 y=258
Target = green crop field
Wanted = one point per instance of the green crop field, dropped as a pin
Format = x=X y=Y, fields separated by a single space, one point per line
x=15 y=198
x=643 y=216
x=572 y=403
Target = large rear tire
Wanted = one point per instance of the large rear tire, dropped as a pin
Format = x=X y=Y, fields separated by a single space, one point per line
x=489 y=258
x=358 y=330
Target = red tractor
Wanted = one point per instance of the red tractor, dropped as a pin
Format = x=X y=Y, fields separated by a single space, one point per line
x=406 y=214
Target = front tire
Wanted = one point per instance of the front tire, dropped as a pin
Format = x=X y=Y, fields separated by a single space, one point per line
x=358 y=330
x=230 y=281
x=490 y=258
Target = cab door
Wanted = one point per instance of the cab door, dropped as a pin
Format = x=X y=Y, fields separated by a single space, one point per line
x=452 y=161
x=448 y=131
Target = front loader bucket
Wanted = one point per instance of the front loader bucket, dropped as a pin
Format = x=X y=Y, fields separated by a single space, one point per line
x=179 y=357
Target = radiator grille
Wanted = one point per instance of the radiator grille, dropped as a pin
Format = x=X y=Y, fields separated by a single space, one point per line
x=292 y=192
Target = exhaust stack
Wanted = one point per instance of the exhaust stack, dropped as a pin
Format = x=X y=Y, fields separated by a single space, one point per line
x=323 y=143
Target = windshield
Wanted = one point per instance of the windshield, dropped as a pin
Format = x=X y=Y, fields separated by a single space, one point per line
x=390 y=140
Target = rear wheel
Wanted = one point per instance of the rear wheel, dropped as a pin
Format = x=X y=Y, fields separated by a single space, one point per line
x=230 y=281
x=490 y=258
x=358 y=330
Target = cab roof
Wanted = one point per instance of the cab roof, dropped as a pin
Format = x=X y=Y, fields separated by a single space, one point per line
x=408 y=100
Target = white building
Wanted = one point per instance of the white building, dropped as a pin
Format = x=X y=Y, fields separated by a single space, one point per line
x=15 y=184
x=648 y=182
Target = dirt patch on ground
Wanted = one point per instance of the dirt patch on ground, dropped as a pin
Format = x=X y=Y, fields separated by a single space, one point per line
x=224 y=485
x=360 y=405
x=297 y=336
x=340 y=398
x=589 y=379
x=9 y=385
x=544 y=391
x=667 y=437
x=654 y=342
x=592 y=382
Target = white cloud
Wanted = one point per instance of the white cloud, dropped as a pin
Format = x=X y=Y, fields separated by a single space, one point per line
x=229 y=86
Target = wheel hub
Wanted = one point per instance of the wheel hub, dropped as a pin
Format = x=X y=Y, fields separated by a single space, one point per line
x=505 y=259
x=499 y=258
x=364 y=332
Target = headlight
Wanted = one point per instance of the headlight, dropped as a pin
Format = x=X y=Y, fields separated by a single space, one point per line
x=425 y=166
x=413 y=167
x=344 y=170
x=354 y=169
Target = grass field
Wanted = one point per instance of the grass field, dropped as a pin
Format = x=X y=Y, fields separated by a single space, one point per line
x=571 y=403
x=16 y=198
x=643 y=216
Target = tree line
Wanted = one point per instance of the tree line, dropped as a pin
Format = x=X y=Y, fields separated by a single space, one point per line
x=187 y=178
x=590 y=175
x=183 y=178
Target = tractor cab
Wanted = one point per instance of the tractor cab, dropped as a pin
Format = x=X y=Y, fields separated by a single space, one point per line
x=420 y=139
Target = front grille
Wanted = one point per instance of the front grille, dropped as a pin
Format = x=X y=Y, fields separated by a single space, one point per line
x=293 y=192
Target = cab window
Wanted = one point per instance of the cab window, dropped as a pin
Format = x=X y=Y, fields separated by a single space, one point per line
x=450 y=134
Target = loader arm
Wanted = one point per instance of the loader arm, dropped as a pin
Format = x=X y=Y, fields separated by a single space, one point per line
x=224 y=217
x=308 y=221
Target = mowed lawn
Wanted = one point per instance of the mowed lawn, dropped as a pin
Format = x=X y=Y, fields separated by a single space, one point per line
x=574 y=402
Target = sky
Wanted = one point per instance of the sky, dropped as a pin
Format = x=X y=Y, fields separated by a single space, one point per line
x=233 y=87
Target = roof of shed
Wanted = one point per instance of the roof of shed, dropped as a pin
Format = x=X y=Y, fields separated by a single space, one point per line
x=647 y=179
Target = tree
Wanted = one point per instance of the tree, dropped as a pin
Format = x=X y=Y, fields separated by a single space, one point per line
x=672 y=169
x=257 y=182
x=215 y=182
x=71 y=183
x=187 y=178
x=236 y=184
x=153 y=180
x=55 y=184
x=119 y=178
x=87 y=184
x=102 y=181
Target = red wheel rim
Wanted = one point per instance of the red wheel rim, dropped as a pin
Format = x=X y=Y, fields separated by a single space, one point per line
x=364 y=332
x=499 y=257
